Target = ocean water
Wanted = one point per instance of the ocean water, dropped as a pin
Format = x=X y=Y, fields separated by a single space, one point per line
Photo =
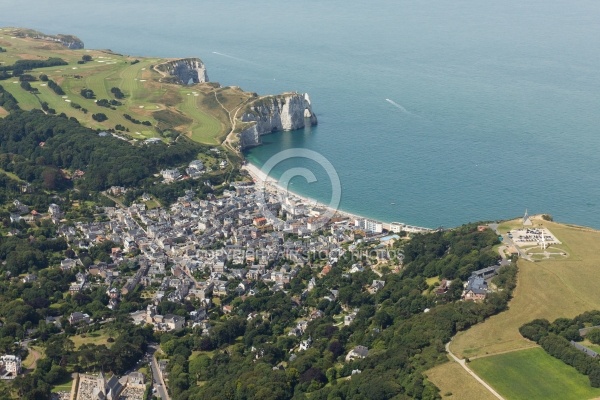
x=432 y=113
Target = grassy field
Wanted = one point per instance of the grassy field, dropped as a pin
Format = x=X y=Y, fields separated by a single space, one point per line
x=546 y=289
x=98 y=338
x=35 y=353
x=455 y=383
x=204 y=108
x=431 y=281
x=532 y=374
x=11 y=175
x=64 y=387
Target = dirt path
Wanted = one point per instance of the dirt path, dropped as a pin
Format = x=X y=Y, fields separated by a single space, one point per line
x=36 y=356
x=463 y=364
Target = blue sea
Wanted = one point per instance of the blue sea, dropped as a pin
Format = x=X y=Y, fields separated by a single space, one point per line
x=433 y=113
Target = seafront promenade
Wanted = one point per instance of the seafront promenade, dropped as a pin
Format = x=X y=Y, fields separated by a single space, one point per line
x=271 y=185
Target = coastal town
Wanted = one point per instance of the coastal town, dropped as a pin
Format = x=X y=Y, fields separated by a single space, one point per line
x=166 y=236
x=207 y=252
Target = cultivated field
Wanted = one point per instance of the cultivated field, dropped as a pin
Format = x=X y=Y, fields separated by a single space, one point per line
x=201 y=111
x=532 y=374
x=455 y=383
x=546 y=289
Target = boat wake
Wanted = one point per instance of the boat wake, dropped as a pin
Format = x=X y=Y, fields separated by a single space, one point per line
x=392 y=102
x=233 y=58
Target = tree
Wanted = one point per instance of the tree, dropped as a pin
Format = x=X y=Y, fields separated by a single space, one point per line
x=198 y=367
x=100 y=117
x=313 y=374
x=593 y=336
x=594 y=376
x=56 y=374
x=86 y=58
x=87 y=93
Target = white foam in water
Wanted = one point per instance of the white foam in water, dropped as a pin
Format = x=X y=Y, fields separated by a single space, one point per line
x=233 y=58
x=392 y=102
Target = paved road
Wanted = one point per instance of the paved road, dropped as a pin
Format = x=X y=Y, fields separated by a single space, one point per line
x=463 y=364
x=158 y=382
x=506 y=241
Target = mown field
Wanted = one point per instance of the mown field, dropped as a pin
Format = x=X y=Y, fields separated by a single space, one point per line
x=201 y=111
x=533 y=374
x=546 y=289
x=455 y=383
x=97 y=337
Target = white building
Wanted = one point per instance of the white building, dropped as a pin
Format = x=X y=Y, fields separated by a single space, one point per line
x=357 y=352
x=54 y=210
x=170 y=175
x=369 y=225
x=195 y=168
x=10 y=366
x=397 y=227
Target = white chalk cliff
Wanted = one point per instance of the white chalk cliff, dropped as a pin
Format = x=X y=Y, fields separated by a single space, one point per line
x=285 y=112
x=185 y=70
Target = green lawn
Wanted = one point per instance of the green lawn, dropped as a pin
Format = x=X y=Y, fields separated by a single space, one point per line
x=205 y=128
x=11 y=175
x=533 y=374
x=97 y=337
x=432 y=280
x=65 y=387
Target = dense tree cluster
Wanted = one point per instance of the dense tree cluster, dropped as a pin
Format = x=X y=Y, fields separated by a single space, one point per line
x=25 y=85
x=100 y=117
x=20 y=66
x=555 y=338
x=107 y=161
x=451 y=254
x=87 y=93
x=55 y=87
x=136 y=121
x=7 y=101
x=108 y=103
x=27 y=78
x=117 y=93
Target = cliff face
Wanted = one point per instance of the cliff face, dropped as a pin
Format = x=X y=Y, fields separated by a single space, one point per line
x=286 y=112
x=69 y=41
x=185 y=70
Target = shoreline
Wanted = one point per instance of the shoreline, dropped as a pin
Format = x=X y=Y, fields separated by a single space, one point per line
x=272 y=184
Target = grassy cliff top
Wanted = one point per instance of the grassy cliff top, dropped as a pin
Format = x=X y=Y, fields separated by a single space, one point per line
x=155 y=109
